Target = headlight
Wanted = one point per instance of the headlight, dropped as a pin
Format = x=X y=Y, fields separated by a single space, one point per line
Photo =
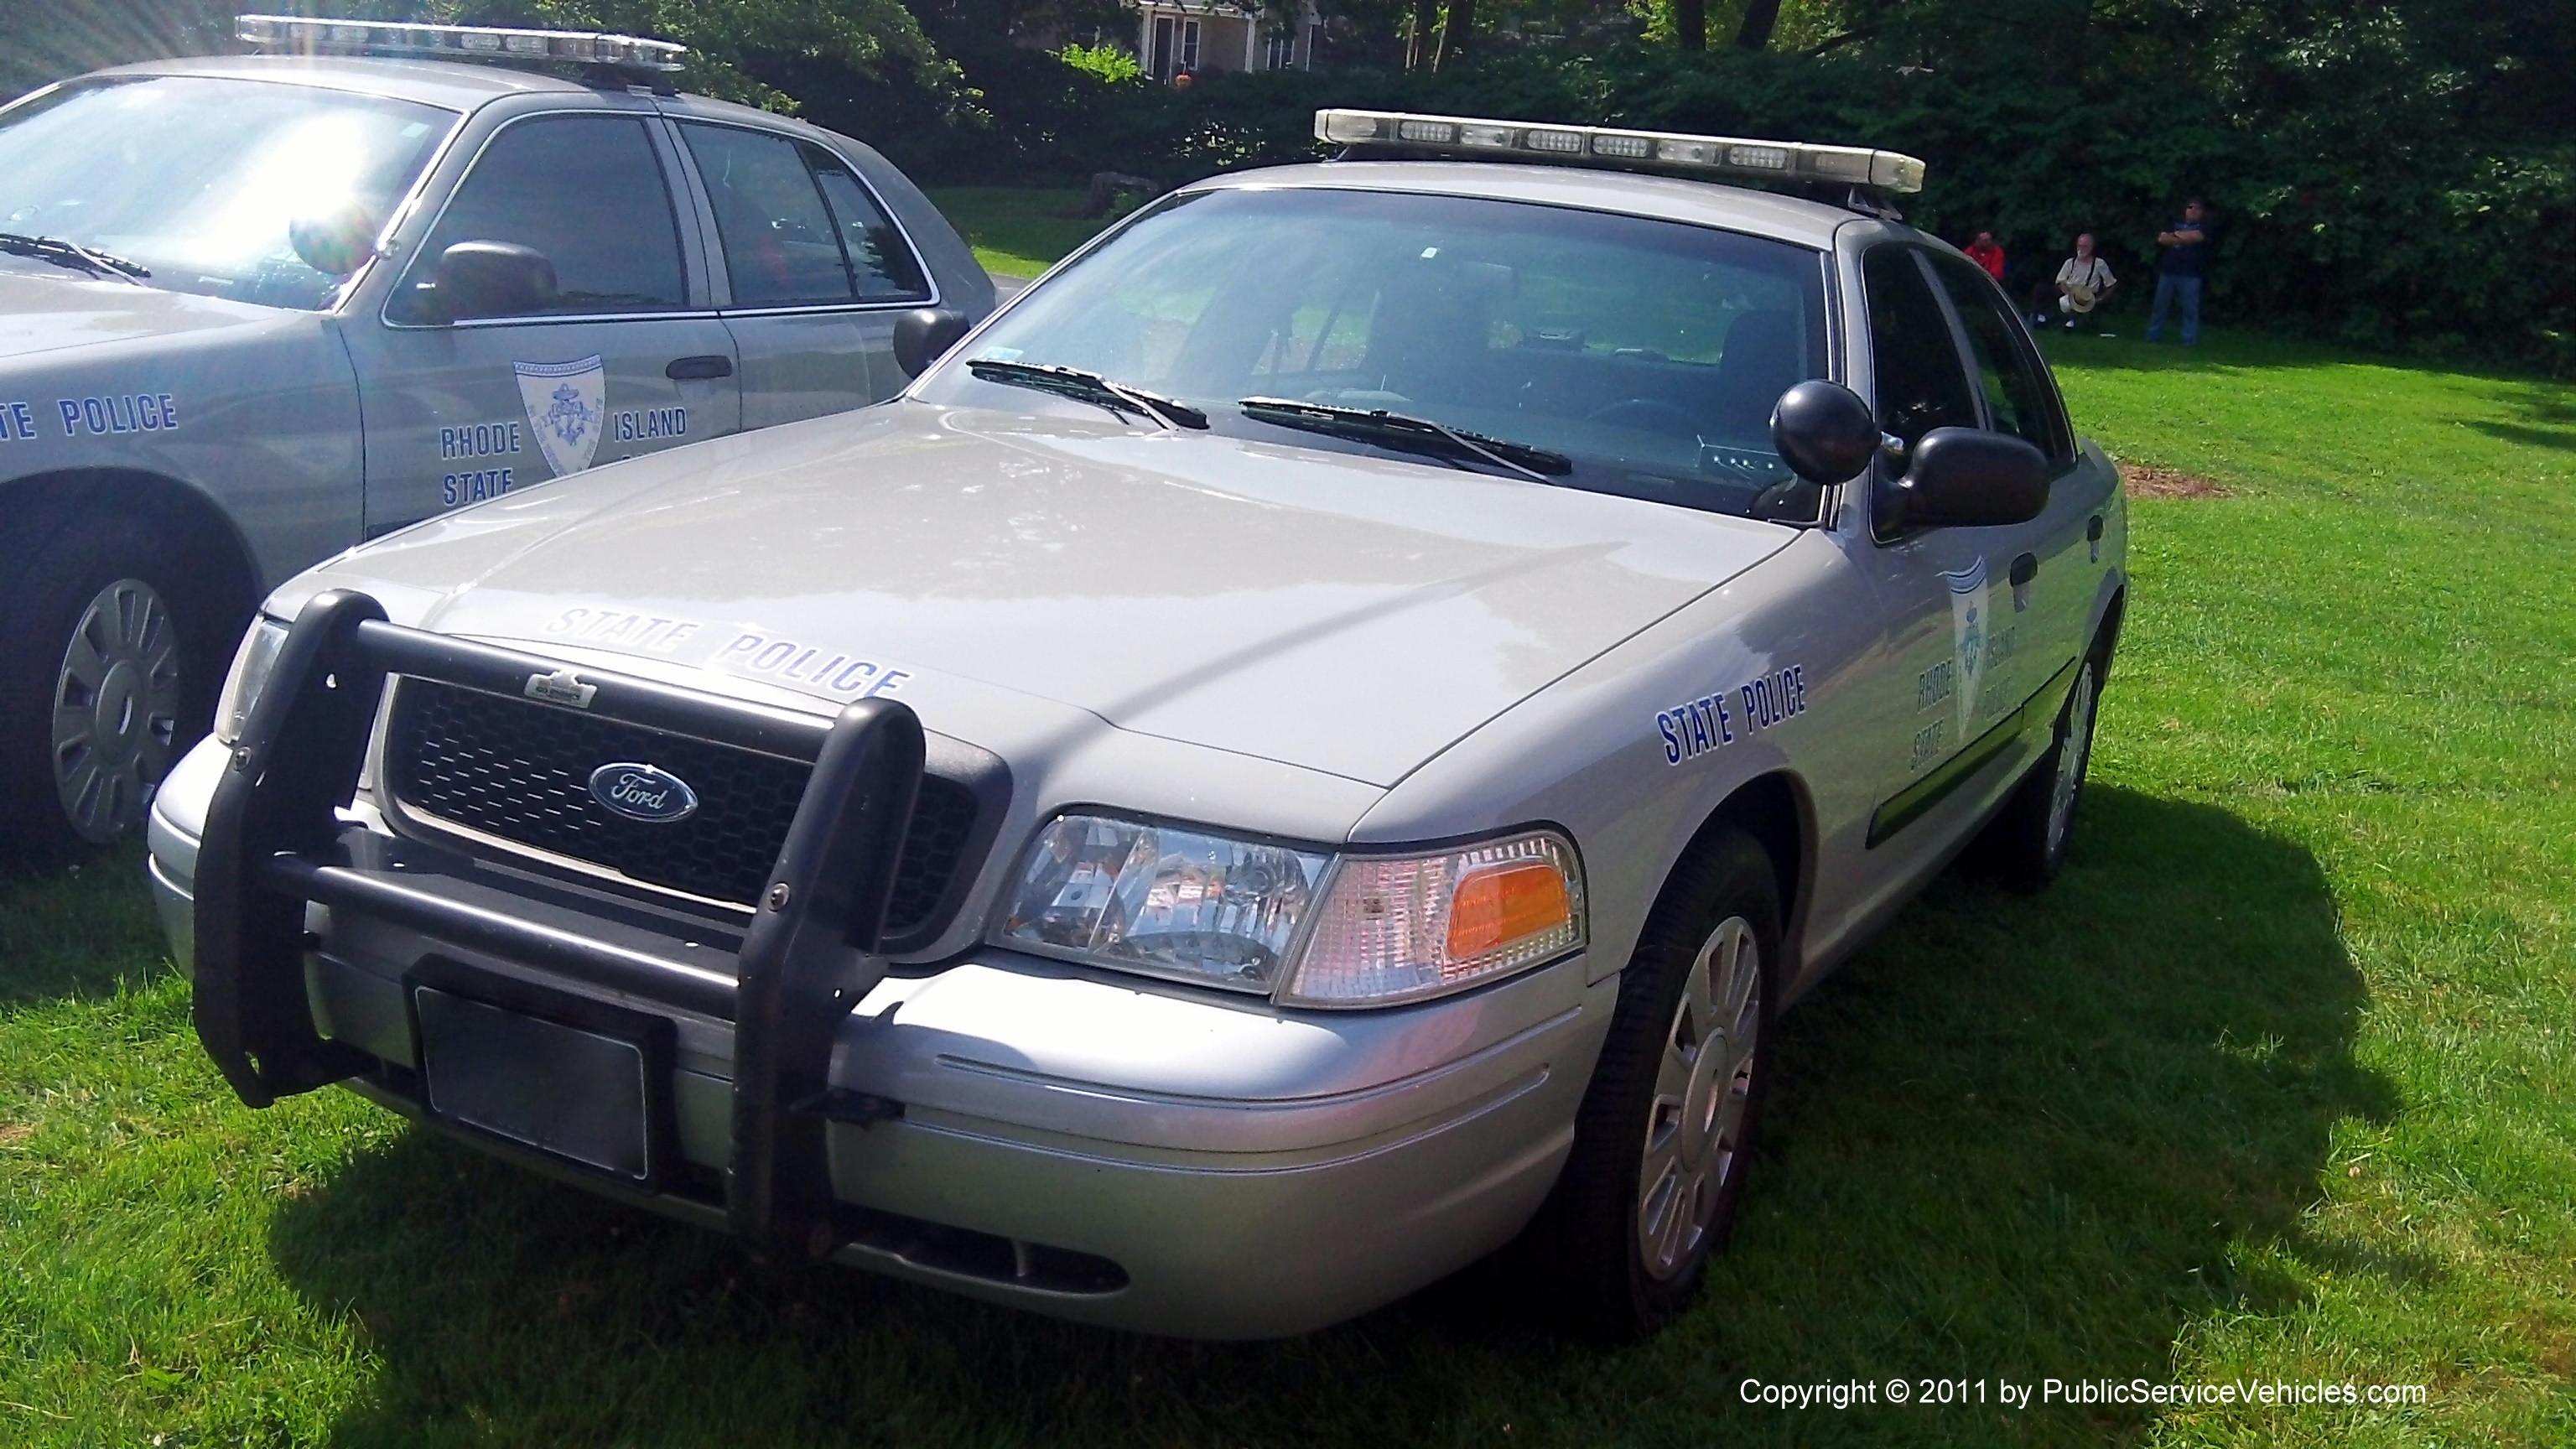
x=1197 y=906
x=252 y=664
x=1158 y=899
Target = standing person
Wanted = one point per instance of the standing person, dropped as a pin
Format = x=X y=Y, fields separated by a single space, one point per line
x=2179 y=271
x=2083 y=281
x=1986 y=254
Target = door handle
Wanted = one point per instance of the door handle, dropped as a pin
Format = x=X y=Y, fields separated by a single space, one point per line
x=698 y=369
x=2024 y=569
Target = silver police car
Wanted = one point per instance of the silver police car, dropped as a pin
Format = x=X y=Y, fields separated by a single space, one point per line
x=1313 y=745
x=256 y=309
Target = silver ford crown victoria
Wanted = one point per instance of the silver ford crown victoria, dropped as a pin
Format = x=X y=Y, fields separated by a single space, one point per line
x=1311 y=746
x=255 y=309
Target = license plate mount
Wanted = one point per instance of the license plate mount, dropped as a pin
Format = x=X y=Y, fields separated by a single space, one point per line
x=581 y=1082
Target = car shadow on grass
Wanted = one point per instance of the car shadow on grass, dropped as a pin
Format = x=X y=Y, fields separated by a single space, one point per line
x=2019 y=1138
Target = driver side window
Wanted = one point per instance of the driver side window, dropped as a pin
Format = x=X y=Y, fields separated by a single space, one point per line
x=1921 y=385
x=587 y=193
x=2018 y=396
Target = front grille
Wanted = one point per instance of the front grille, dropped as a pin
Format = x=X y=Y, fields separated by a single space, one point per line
x=520 y=771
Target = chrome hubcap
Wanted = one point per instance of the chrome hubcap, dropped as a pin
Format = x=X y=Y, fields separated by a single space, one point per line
x=2070 y=760
x=116 y=709
x=1694 y=1129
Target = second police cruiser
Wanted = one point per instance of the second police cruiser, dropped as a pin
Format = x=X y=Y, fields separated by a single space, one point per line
x=255 y=309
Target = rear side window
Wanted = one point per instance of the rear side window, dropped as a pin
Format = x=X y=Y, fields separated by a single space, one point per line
x=796 y=226
x=588 y=192
x=1921 y=385
x=2018 y=397
x=881 y=261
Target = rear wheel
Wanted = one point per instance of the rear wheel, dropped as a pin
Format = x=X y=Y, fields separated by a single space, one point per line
x=1664 y=1140
x=108 y=678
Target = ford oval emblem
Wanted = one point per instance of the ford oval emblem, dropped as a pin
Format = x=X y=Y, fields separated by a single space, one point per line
x=641 y=792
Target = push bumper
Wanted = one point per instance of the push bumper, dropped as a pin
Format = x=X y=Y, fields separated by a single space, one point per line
x=1121 y=1152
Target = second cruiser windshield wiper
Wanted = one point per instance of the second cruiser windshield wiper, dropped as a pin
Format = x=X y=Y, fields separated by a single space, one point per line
x=1407 y=434
x=1090 y=387
x=72 y=254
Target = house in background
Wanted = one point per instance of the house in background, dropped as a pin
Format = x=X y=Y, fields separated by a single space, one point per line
x=1206 y=35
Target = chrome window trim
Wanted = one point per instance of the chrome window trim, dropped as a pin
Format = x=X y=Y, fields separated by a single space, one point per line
x=548 y=319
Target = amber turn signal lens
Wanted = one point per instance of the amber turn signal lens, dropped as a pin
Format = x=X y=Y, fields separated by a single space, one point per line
x=1496 y=907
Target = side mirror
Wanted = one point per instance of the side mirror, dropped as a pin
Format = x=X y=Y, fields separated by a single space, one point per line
x=1823 y=431
x=924 y=335
x=335 y=242
x=493 y=279
x=1969 y=478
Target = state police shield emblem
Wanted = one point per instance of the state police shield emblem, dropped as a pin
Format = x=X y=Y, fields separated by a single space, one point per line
x=1968 y=624
x=567 y=406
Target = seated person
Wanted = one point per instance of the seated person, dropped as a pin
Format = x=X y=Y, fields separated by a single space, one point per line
x=2083 y=281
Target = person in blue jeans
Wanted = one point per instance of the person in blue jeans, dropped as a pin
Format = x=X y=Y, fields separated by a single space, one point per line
x=2179 y=271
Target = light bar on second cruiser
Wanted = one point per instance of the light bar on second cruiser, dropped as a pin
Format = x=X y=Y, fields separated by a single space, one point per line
x=1711 y=155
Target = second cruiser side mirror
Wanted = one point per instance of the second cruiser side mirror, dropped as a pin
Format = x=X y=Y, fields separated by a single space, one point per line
x=922 y=336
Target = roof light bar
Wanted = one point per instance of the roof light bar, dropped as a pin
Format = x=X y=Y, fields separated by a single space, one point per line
x=1715 y=155
x=456 y=42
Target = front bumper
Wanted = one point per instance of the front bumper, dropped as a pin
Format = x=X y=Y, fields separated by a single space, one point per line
x=1114 y=1150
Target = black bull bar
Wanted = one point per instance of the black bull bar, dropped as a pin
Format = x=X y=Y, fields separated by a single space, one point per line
x=273 y=841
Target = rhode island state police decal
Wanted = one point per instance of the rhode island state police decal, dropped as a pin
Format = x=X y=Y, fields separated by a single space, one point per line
x=567 y=402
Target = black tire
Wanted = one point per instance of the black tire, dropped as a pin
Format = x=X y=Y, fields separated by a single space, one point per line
x=154 y=708
x=2024 y=846
x=1618 y=1274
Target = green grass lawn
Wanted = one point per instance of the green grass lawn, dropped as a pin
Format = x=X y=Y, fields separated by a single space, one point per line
x=2271 y=1086
x=1015 y=231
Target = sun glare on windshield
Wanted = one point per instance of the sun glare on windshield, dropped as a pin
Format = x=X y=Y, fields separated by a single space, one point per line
x=201 y=179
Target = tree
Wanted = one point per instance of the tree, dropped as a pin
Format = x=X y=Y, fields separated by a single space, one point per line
x=1761 y=17
x=1457 y=32
x=1690 y=24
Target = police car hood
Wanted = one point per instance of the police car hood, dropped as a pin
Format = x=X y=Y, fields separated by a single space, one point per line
x=1343 y=613
x=44 y=308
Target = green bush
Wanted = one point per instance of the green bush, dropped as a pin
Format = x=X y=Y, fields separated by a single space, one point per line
x=1105 y=63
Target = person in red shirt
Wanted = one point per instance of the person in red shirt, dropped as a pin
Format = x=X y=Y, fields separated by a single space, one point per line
x=1986 y=254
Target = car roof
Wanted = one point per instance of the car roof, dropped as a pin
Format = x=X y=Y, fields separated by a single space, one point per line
x=429 y=82
x=1667 y=198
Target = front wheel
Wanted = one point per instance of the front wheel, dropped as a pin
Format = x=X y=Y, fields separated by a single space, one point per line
x=1665 y=1136
x=105 y=680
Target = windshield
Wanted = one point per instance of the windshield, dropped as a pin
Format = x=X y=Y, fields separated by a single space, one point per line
x=197 y=178
x=1644 y=354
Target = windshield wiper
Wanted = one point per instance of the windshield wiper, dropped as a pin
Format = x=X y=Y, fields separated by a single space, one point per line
x=1408 y=434
x=72 y=254
x=1090 y=387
